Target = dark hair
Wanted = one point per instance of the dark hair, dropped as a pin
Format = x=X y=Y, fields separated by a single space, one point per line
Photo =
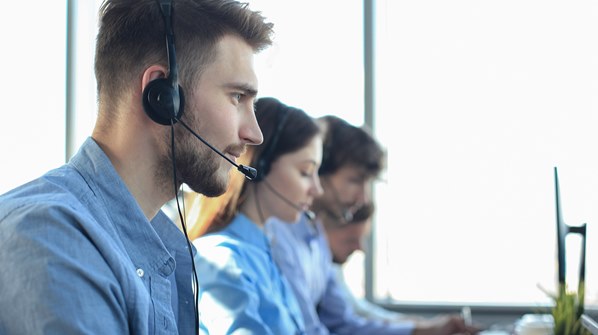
x=294 y=133
x=131 y=38
x=345 y=144
x=285 y=129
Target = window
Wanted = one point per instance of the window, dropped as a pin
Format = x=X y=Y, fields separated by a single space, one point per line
x=317 y=68
x=476 y=102
x=316 y=61
x=33 y=101
x=41 y=135
x=485 y=99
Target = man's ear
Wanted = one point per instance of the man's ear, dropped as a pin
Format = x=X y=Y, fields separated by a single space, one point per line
x=152 y=73
x=162 y=102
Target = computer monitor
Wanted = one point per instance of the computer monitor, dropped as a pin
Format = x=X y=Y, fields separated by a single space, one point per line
x=563 y=230
x=589 y=323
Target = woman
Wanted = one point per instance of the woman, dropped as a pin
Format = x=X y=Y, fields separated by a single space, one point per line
x=240 y=286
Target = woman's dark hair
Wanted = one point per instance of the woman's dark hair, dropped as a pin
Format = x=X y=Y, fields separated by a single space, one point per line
x=285 y=129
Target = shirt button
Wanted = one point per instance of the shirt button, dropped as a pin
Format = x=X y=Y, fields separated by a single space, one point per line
x=140 y=272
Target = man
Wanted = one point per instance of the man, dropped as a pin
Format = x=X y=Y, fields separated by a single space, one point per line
x=85 y=248
x=351 y=160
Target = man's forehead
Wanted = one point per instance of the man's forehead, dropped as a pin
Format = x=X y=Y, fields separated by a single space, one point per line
x=354 y=170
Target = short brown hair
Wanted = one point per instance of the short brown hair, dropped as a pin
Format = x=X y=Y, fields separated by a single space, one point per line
x=345 y=144
x=131 y=38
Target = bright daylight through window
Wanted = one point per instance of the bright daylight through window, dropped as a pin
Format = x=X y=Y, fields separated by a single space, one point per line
x=486 y=99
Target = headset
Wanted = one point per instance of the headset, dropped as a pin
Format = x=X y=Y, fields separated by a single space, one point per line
x=163 y=98
x=163 y=102
x=265 y=161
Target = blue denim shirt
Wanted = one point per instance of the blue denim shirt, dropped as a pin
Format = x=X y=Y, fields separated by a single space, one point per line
x=241 y=290
x=302 y=252
x=77 y=255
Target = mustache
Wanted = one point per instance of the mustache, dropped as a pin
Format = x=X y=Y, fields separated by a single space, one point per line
x=237 y=149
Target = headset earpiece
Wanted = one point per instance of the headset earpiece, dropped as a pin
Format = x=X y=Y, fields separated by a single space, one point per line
x=162 y=103
x=163 y=98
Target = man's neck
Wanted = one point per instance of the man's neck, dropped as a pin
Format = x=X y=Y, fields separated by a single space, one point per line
x=134 y=159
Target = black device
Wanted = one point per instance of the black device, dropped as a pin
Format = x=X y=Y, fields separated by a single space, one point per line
x=562 y=230
x=163 y=98
x=163 y=102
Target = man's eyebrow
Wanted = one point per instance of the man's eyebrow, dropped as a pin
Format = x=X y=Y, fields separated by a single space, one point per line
x=246 y=88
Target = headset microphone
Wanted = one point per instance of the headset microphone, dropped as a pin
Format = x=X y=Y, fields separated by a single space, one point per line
x=249 y=172
x=347 y=214
x=308 y=214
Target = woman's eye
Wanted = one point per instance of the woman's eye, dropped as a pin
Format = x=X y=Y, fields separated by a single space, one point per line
x=308 y=173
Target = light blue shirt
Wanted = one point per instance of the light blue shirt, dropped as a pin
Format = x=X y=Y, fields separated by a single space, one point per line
x=301 y=251
x=78 y=256
x=241 y=290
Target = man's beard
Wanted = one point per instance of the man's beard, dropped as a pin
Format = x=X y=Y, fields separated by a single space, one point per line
x=197 y=166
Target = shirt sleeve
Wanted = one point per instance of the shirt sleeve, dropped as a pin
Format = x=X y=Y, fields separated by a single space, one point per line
x=340 y=318
x=54 y=280
x=228 y=302
x=296 y=277
x=337 y=314
x=362 y=306
x=288 y=258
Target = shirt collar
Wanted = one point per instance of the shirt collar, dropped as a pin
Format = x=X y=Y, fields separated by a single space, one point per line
x=307 y=229
x=245 y=229
x=304 y=228
x=147 y=243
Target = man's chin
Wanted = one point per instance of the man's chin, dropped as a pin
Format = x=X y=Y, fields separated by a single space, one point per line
x=216 y=186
